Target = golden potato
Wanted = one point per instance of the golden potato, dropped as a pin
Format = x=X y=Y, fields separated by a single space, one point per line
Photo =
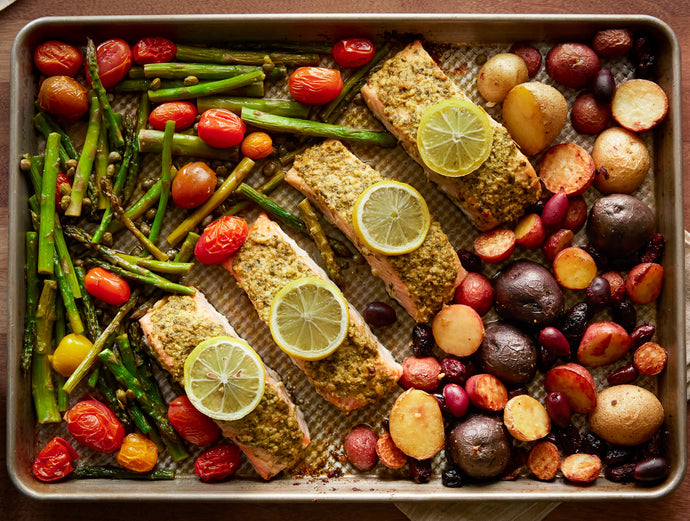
x=534 y=114
x=626 y=160
x=499 y=74
x=626 y=415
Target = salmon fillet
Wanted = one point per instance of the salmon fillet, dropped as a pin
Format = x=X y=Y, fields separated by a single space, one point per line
x=274 y=435
x=399 y=94
x=423 y=280
x=361 y=370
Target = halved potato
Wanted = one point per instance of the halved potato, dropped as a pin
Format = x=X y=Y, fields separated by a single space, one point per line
x=639 y=105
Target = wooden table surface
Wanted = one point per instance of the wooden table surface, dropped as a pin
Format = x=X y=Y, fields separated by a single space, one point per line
x=14 y=506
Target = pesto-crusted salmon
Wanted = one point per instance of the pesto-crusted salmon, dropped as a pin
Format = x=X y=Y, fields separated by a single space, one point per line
x=423 y=280
x=399 y=94
x=361 y=370
x=274 y=435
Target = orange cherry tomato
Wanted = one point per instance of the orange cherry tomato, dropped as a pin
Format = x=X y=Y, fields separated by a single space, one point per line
x=91 y=423
x=63 y=97
x=221 y=128
x=315 y=85
x=114 y=61
x=107 y=286
x=153 y=49
x=220 y=239
x=137 y=453
x=183 y=113
x=193 y=184
x=193 y=426
x=218 y=463
x=257 y=145
x=54 y=461
x=55 y=58
x=353 y=52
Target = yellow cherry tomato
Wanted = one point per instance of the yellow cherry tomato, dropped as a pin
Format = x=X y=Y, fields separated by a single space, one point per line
x=69 y=353
x=137 y=453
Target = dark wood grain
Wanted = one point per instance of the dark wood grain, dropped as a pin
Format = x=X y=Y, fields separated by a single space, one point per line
x=14 y=506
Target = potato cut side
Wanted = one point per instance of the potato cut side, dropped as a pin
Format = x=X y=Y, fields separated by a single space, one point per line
x=416 y=424
x=544 y=460
x=639 y=105
x=567 y=168
x=526 y=419
x=581 y=468
x=458 y=330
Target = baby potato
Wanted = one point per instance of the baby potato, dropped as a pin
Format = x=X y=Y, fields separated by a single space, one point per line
x=572 y=64
x=499 y=74
x=626 y=160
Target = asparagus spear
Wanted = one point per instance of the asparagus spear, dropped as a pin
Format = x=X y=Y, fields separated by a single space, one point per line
x=306 y=127
x=266 y=188
x=42 y=387
x=68 y=299
x=205 y=89
x=107 y=386
x=188 y=53
x=273 y=208
x=92 y=472
x=171 y=268
x=236 y=177
x=277 y=107
x=166 y=166
x=88 y=154
x=54 y=126
x=206 y=71
x=133 y=169
x=62 y=398
x=101 y=163
x=93 y=328
x=254 y=90
x=311 y=220
x=187 y=249
x=31 y=299
x=183 y=145
x=46 y=233
x=153 y=280
x=44 y=129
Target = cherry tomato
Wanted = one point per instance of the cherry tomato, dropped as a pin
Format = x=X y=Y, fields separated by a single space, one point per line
x=61 y=179
x=193 y=185
x=221 y=128
x=315 y=85
x=69 y=353
x=54 y=58
x=218 y=462
x=193 y=426
x=257 y=145
x=153 y=49
x=183 y=113
x=114 y=61
x=137 y=453
x=220 y=239
x=63 y=97
x=107 y=286
x=353 y=52
x=54 y=461
x=94 y=425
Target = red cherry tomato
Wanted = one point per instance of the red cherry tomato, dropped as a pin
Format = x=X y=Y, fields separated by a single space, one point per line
x=221 y=128
x=315 y=85
x=114 y=61
x=54 y=58
x=61 y=179
x=63 y=97
x=183 y=113
x=154 y=49
x=193 y=185
x=54 y=461
x=193 y=426
x=107 y=286
x=353 y=52
x=217 y=463
x=94 y=425
x=220 y=239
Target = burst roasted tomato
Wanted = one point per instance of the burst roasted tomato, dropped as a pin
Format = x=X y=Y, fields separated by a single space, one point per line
x=153 y=49
x=54 y=461
x=114 y=61
x=218 y=462
x=193 y=426
x=55 y=58
x=353 y=52
x=63 y=97
x=315 y=85
x=193 y=184
x=107 y=286
x=137 y=453
x=221 y=128
x=94 y=425
x=220 y=239
x=183 y=113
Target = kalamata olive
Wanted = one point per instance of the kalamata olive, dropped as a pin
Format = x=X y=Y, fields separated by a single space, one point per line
x=641 y=334
x=604 y=86
x=517 y=391
x=593 y=444
x=545 y=358
x=654 y=249
x=451 y=478
x=422 y=340
x=624 y=375
x=470 y=260
x=558 y=408
x=554 y=210
x=574 y=323
x=420 y=470
x=621 y=473
x=551 y=437
x=599 y=259
x=645 y=54
x=625 y=315
x=654 y=447
x=569 y=439
x=555 y=341
x=537 y=207
x=652 y=469
x=454 y=370
x=379 y=314
x=441 y=403
x=456 y=399
x=618 y=455
x=598 y=293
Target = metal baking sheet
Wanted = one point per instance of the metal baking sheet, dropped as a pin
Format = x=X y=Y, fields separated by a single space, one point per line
x=460 y=40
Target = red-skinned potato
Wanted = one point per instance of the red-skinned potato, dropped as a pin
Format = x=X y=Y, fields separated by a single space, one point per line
x=420 y=373
x=639 y=105
x=567 y=168
x=576 y=383
x=475 y=291
x=360 y=448
x=603 y=343
x=487 y=392
x=495 y=246
x=612 y=43
x=617 y=284
x=556 y=242
x=644 y=282
x=526 y=419
x=574 y=268
x=530 y=55
x=588 y=116
x=416 y=424
x=529 y=232
x=458 y=330
x=576 y=215
x=572 y=64
x=388 y=452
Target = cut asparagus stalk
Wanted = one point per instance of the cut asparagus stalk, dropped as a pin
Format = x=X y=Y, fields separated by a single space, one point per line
x=114 y=130
x=188 y=53
x=311 y=220
x=273 y=208
x=68 y=299
x=186 y=252
x=30 y=267
x=205 y=89
x=277 y=107
x=206 y=71
x=46 y=232
x=93 y=328
x=86 y=159
x=166 y=166
x=183 y=145
x=91 y=472
x=266 y=188
x=42 y=387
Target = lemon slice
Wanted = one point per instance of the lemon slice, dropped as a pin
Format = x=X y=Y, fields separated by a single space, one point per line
x=224 y=378
x=454 y=137
x=391 y=218
x=309 y=318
